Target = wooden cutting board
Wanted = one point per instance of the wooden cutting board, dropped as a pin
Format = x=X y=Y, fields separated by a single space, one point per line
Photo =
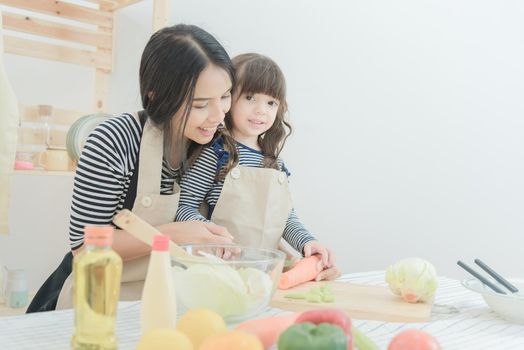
x=363 y=302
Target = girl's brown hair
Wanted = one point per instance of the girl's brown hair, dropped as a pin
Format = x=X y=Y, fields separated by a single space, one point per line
x=258 y=74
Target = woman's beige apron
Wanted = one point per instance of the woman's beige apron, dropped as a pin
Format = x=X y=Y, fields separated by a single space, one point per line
x=254 y=205
x=150 y=205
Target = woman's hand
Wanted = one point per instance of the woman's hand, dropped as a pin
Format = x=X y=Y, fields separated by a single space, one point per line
x=196 y=232
x=129 y=247
x=328 y=270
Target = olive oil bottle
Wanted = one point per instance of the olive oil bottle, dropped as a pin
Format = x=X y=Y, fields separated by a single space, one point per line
x=96 y=272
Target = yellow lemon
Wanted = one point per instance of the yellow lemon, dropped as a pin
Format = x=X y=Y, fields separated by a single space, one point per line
x=234 y=340
x=199 y=324
x=164 y=339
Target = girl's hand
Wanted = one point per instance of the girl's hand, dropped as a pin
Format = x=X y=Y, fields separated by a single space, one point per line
x=327 y=257
x=196 y=232
x=328 y=270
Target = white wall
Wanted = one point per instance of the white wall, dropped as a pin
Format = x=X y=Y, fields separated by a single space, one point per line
x=38 y=225
x=408 y=117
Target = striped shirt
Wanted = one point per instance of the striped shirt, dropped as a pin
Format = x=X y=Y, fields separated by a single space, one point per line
x=200 y=185
x=104 y=172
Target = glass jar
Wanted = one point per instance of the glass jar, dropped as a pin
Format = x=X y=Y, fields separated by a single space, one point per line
x=16 y=288
x=24 y=160
x=44 y=113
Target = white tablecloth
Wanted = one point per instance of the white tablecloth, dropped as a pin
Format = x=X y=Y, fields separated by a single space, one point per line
x=460 y=320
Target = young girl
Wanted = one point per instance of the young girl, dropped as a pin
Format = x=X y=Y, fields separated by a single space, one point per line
x=240 y=175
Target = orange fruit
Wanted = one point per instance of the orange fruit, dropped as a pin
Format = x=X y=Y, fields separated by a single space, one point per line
x=234 y=340
x=164 y=339
x=199 y=324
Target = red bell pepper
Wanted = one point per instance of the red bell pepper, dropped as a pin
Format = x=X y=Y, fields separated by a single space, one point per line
x=331 y=316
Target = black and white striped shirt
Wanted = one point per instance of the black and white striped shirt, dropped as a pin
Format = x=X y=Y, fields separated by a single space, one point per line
x=200 y=184
x=104 y=172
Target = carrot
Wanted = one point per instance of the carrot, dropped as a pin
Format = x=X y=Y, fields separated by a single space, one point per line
x=268 y=329
x=305 y=270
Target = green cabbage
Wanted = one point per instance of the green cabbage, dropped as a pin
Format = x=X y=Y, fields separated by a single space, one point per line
x=228 y=291
x=414 y=279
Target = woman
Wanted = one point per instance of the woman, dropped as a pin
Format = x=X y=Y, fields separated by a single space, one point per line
x=135 y=161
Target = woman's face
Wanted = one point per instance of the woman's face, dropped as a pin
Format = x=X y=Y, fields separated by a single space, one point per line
x=211 y=101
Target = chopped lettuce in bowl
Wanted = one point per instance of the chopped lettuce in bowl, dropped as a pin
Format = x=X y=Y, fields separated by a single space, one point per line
x=237 y=288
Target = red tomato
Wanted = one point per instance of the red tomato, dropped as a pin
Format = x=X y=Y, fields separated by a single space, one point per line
x=414 y=339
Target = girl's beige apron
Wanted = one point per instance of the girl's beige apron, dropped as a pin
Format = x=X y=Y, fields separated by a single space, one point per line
x=150 y=205
x=254 y=206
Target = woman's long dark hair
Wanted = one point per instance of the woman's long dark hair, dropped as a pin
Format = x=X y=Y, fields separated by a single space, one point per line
x=258 y=74
x=170 y=66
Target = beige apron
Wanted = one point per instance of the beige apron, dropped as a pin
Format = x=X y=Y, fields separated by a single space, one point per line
x=150 y=205
x=254 y=206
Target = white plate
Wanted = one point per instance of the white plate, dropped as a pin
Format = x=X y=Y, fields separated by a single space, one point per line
x=510 y=306
x=80 y=130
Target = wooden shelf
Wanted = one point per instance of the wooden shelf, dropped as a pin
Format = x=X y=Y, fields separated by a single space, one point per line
x=80 y=34
x=97 y=38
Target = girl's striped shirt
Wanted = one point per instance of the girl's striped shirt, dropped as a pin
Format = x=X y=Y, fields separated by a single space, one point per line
x=200 y=185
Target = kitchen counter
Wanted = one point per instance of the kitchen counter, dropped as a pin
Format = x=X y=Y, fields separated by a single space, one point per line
x=460 y=320
x=5 y=310
x=9 y=311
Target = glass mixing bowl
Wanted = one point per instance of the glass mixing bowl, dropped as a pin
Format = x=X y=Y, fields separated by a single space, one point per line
x=236 y=282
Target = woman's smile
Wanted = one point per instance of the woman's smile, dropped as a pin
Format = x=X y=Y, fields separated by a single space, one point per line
x=208 y=132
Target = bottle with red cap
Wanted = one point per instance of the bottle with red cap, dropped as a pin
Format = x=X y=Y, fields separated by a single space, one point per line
x=158 y=295
x=96 y=272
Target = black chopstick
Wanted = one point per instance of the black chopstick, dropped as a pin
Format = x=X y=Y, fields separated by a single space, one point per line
x=480 y=277
x=496 y=276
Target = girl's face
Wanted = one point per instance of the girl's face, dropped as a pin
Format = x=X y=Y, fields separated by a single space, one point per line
x=252 y=115
x=212 y=99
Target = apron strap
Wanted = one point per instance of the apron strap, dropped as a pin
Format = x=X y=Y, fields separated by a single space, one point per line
x=47 y=296
x=129 y=201
x=150 y=176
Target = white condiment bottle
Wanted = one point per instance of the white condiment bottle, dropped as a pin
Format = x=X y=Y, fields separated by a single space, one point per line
x=158 y=296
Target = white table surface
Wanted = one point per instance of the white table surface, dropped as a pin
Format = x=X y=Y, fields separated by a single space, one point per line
x=460 y=320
